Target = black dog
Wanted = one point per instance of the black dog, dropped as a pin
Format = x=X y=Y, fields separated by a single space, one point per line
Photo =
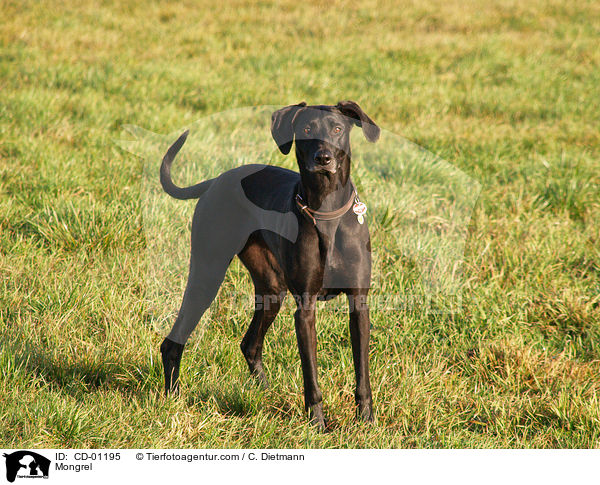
x=293 y=232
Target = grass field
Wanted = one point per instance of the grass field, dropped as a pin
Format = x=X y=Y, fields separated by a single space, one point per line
x=507 y=92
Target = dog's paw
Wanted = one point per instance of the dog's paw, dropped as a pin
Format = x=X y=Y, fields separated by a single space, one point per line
x=259 y=376
x=364 y=412
x=171 y=356
x=316 y=418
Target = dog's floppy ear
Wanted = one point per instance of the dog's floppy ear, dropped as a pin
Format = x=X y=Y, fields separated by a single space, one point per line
x=282 y=128
x=360 y=118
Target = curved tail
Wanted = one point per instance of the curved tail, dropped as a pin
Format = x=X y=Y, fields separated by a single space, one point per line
x=182 y=193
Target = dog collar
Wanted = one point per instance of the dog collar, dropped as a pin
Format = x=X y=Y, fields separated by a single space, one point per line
x=315 y=216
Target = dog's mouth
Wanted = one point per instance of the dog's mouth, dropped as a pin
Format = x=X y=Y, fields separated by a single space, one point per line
x=329 y=166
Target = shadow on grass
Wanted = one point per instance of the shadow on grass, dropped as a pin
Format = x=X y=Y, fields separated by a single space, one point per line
x=78 y=376
x=249 y=399
x=229 y=402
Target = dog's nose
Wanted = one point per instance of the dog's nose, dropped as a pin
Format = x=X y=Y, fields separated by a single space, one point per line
x=323 y=157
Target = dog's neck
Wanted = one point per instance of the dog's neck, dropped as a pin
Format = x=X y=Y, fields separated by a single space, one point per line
x=325 y=191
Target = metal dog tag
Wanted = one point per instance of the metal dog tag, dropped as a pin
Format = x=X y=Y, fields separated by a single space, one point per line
x=360 y=210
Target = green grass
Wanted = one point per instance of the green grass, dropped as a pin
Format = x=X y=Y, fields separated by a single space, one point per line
x=506 y=92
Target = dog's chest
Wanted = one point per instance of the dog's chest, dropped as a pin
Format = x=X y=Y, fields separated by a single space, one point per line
x=347 y=254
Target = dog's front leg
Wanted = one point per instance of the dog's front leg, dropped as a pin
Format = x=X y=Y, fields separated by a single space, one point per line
x=307 y=345
x=360 y=328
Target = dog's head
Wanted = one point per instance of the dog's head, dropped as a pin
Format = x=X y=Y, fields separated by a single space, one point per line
x=322 y=133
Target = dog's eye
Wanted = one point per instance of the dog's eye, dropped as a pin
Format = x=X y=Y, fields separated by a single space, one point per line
x=307 y=130
x=337 y=129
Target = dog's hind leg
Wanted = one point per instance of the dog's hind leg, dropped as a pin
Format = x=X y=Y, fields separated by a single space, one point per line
x=270 y=291
x=204 y=281
x=171 y=356
x=267 y=306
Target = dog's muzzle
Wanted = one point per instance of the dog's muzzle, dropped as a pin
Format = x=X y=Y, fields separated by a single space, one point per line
x=323 y=161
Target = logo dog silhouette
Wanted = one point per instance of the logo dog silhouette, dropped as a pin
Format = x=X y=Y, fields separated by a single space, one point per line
x=28 y=462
